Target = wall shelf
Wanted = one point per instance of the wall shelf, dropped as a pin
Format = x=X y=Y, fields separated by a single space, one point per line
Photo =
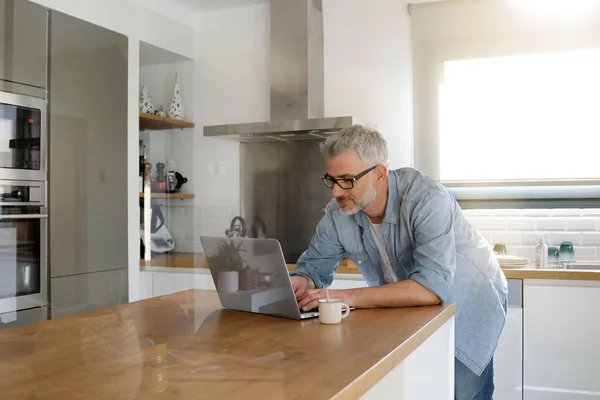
x=170 y=195
x=149 y=122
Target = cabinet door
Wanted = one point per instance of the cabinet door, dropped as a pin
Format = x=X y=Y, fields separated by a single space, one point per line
x=508 y=359
x=561 y=331
x=23 y=47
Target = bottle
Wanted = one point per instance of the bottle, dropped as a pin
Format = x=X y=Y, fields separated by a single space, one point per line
x=171 y=176
x=541 y=255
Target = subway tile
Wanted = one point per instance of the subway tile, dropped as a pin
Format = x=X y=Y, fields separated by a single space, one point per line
x=207 y=223
x=507 y=212
x=551 y=224
x=590 y=238
x=536 y=212
x=566 y=212
x=532 y=238
x=522 y=251
x=478 y=213
x=216 y=212
x=582 y=224
x=592 y=212
x=558 y=237
x=520 y=224
x=507 y=238
x=491 y=224
x=585 y=252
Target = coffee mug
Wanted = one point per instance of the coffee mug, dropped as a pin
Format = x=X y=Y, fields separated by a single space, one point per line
x=330 y=311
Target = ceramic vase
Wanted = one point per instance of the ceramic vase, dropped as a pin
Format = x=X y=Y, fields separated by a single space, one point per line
x=176 y=110
x=146 y=103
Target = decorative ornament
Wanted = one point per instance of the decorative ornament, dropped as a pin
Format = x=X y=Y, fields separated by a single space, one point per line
x=146 y=104
x=175 y=110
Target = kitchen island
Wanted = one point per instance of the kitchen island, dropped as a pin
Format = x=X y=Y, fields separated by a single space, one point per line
x=185 y=346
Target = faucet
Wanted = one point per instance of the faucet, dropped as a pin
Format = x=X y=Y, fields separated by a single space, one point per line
x=237 y=227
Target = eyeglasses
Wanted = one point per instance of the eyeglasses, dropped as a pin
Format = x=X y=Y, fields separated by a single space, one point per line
x=344 y=183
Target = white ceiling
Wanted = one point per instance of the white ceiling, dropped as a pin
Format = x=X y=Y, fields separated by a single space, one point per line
x=214 y=5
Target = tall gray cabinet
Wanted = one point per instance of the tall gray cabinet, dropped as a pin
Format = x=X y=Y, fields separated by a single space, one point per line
x=23 y=48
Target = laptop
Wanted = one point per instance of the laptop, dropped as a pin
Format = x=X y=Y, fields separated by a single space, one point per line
x=251 y=275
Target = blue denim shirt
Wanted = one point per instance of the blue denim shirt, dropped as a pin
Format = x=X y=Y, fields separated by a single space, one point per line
x=428 y=240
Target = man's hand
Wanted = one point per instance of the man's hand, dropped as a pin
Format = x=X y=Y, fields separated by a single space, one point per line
x=301 y=284
x=311 y=298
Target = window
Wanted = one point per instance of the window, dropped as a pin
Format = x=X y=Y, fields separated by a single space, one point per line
x=525 y=117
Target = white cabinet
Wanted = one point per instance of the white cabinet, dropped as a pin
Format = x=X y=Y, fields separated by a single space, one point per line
x=159 y=283
x=508 y=358
x=561 y=340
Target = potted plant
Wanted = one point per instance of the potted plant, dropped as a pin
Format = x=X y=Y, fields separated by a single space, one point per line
x=230 y=263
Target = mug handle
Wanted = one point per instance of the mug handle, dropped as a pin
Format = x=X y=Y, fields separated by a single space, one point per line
x=347 y=312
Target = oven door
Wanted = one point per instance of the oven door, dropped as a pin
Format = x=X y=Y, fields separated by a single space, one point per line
x=22 y=137
x=23 y=252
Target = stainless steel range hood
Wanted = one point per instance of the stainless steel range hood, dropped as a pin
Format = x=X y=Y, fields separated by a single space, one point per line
x=296 y=79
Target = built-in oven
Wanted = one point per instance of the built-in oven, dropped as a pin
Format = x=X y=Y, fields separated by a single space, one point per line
x=22 y=137
x=23 y=252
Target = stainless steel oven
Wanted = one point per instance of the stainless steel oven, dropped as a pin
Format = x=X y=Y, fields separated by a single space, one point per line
x=22 y=137
x=23 y=252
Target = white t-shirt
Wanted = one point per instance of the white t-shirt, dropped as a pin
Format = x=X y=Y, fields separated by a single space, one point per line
x=388 y=272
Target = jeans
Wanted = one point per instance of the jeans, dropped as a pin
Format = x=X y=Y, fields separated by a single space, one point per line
x=469 y=386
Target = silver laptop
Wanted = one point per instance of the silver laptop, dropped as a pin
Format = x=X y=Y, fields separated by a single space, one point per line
x=251 y=275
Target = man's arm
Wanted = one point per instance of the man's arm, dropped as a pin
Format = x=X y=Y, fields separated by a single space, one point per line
x=433 y=270
x=317 y=265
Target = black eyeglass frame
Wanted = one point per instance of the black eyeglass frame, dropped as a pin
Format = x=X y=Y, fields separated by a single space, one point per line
x=333 y=181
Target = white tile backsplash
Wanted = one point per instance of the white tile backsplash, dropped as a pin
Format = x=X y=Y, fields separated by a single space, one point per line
x=534 y=212
x=566 y=212
x=520 y=224
x=552 y=224
x=582 y=224
x=522 y=251
x=594 y=212
x=507 y=212
x=491 y=224
x=521 y=230
x=585 y=253
x=590 y=238
x=532 y=238
x=508 y=238
x=557 y=237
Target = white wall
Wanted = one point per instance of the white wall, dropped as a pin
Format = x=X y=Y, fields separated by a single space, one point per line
x=368 y=69
x=135 y=21
x=232 y=85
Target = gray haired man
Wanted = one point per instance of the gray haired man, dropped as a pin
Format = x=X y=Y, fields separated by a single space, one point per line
x=416 y=248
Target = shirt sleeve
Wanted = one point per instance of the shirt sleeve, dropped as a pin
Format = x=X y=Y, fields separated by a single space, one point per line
x=321 y=259
x=435 y=251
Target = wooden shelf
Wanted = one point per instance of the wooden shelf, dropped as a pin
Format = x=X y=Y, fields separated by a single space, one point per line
x=149 y=122
x=171 y=195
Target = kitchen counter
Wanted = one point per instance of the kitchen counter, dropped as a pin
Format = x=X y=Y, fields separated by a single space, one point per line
x=185 y=346
x=197 y=260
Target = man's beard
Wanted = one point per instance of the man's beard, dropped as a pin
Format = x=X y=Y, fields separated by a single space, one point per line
x=359 y=203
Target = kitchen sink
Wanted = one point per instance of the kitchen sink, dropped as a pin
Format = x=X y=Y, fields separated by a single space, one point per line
x=583 y=265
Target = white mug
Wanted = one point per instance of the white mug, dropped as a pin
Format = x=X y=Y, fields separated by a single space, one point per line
x=330 y=311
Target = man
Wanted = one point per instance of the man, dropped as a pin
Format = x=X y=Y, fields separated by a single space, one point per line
x=414 y=247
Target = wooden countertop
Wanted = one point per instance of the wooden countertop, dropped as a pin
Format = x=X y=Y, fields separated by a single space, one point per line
x=197 y=260
x=184 y=346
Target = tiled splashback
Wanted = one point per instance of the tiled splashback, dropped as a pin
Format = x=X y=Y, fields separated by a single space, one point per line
x=520 y=230
x=187 y=223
